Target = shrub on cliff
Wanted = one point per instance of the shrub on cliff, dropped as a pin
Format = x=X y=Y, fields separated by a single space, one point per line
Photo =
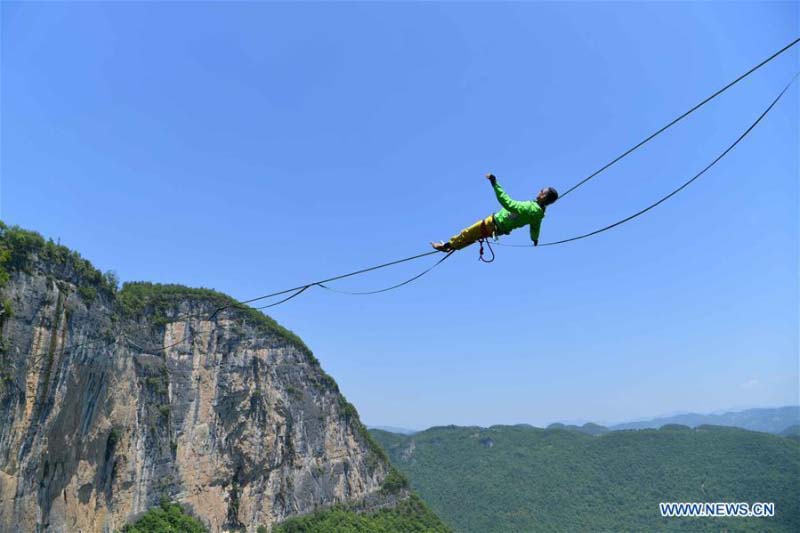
x=409 y=516
x=167 y=518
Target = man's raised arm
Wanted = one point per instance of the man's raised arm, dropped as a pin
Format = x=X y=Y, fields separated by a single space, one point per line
x=504 y=199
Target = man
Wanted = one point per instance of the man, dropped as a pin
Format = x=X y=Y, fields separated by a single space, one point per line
x=513 y=215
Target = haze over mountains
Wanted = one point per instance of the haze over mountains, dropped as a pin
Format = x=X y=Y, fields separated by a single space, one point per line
x=767 y=419
x=394 y=429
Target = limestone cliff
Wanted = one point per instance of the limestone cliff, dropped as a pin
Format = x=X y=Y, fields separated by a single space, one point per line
x=111 y=401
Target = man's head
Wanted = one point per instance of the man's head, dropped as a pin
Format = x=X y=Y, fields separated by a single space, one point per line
x=547 y=196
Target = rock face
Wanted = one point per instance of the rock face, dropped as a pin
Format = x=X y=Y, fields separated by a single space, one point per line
x=110 y=402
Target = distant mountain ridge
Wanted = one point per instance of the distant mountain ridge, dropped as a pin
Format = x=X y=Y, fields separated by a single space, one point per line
x=394 y=429
x=775 y=420
x=769 y=420
x=588 y=428
x=792 y=432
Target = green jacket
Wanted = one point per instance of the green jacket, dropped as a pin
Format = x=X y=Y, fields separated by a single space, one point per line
x=517 y=214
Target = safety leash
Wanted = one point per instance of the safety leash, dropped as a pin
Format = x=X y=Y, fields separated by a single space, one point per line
x=485 y=236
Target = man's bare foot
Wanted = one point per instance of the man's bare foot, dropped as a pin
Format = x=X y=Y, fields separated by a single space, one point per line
x=441 y=246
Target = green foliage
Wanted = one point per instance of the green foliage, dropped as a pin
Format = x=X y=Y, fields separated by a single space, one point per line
x=7 y=311
x=6 y=378
x=324 y=382
x=5 y=257
x=531 y=479
x=409 y=516
x=88 y=293
x=589 y=428
x=167 y=518
x=111 y=280
x=18 y=247
x=113 y=437
x=158 y=384
x=233 y=506
x=348 y=409
x=394 y=482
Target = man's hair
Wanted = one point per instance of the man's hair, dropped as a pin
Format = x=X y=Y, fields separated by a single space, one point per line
x=551 y=195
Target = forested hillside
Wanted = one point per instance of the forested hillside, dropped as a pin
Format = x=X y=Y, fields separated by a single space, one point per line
x=529 y=479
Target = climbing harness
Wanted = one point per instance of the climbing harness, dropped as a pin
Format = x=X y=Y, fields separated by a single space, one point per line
x=486 y=235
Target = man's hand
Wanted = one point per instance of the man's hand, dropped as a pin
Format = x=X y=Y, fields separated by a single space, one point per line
x=536 y=243
x=491 y=178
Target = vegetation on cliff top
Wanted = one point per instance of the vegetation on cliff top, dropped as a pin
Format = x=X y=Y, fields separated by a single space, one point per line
x=161 y=300
x=409 y=516
x=18 y=248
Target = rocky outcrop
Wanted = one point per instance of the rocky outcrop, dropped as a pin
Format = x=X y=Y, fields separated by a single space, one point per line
x=111 y=401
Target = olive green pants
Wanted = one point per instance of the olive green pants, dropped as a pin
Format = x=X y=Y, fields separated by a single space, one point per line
x=481 y=229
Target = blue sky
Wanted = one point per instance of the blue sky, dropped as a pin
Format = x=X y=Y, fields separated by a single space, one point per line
x=254 y=147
